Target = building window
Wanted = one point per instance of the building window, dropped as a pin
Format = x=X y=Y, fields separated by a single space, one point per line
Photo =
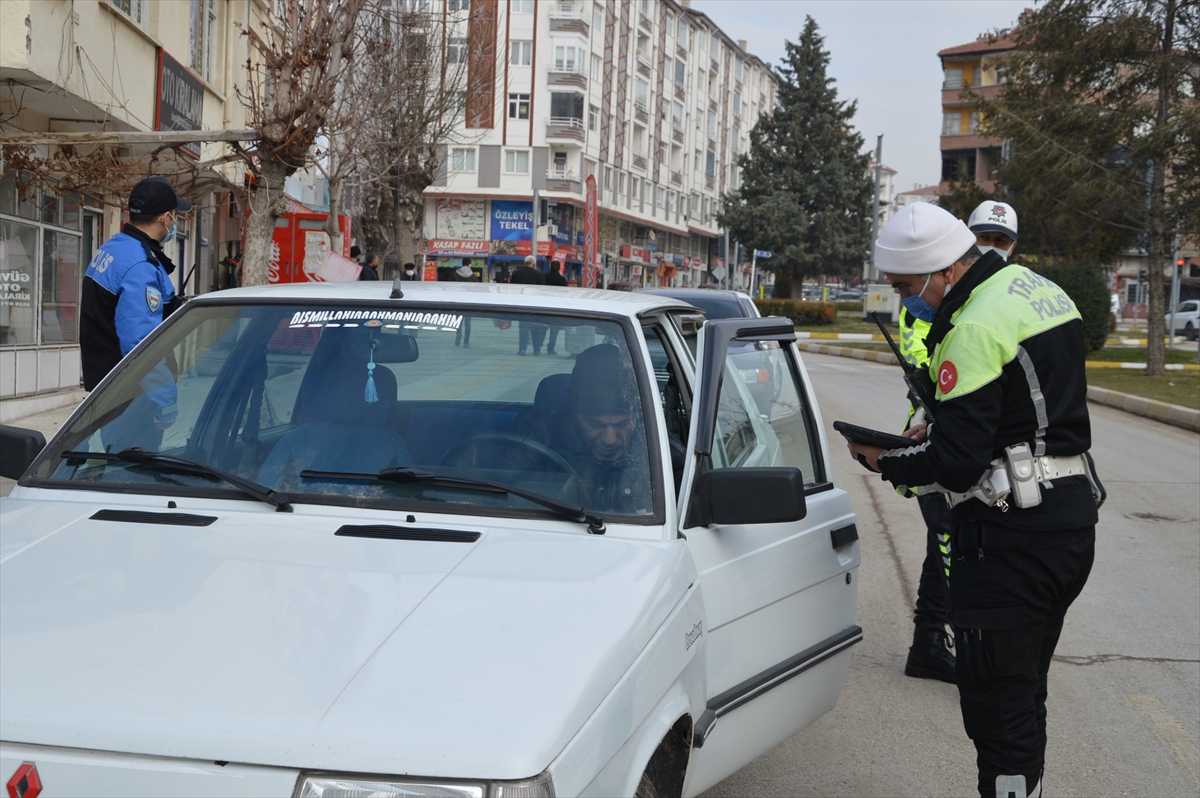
x=518 y=106
x=710 y=164
x=658 y=196
x=608 y=178
x=459 y=5
x=973 y=124
x=681 y=32
x=737 y=70
x=568 y=57
x=953 y=78
x=516 y=162
x=597 y=67
x=737 y=103
x=677 y=116
x=951 y=123
x=462 y=159
x=593 y=115
x=566 y=106
x=520 y=53
x=597 y=16
x=680 y=73
x=712 y=125
x=203 y=25
x=456 y=51
x=522 y=6
x=641 y=95
x=134 y=8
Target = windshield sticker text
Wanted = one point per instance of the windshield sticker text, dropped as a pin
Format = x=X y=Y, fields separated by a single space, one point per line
x=374 y=318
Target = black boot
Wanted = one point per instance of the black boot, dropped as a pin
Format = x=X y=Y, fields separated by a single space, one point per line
x=930 y=656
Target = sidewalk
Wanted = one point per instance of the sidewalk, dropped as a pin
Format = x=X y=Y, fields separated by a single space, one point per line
x=46 y=422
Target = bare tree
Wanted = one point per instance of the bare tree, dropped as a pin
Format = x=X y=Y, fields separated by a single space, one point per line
x=299 y=57
x=436 y=70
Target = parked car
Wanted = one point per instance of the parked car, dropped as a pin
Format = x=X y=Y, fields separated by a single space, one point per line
x=290 y=547
x=622 y=286
x=1187 y=319
x=757 y=370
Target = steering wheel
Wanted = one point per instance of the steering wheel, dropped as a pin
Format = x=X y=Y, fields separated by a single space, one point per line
x=466 y=452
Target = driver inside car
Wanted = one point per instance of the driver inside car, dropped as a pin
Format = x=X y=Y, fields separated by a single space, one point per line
x=599 y=431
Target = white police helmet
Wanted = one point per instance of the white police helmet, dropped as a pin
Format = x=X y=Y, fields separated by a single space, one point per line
x=994 y=217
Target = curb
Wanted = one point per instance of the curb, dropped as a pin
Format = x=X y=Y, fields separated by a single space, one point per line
x=1175 y=415
x=14 y=409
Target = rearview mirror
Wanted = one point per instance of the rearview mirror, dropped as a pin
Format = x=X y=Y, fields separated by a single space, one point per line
x=18 y=448
x=747 y=496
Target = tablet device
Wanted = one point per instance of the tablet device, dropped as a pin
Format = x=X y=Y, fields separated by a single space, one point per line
x=872 y=437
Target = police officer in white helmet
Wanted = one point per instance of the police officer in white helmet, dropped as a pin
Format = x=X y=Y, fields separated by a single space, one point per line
x=995 y=227
x=1009 y=449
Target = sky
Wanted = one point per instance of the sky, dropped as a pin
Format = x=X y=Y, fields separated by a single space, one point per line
x=883 y=53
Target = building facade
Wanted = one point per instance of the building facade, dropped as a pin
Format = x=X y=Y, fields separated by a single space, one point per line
x=980 y=67
x=647 y=103
x=100 y=66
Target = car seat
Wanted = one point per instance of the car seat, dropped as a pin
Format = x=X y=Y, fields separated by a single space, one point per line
x=339 y=430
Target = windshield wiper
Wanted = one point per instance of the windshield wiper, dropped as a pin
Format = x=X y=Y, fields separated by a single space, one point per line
x=405 y=476
x=138 y=455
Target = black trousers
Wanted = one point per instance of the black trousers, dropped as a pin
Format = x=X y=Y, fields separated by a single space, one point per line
x=932 y=607
x=1009 y=592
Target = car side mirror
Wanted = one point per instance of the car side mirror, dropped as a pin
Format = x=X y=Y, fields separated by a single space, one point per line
x=747 y=496
x=18 y=448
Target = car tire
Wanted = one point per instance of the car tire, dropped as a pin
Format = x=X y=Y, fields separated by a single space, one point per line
x=1189 y=332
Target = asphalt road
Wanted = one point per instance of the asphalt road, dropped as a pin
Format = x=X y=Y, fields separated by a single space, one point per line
x=1124 y=705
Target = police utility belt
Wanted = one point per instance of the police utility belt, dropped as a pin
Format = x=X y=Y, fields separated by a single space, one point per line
x=1018 y=476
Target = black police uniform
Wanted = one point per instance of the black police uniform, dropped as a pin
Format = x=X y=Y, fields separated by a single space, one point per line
x=1008 y=361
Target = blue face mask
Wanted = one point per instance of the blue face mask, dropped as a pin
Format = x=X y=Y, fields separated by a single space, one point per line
x=919 y=308
x=171 y=232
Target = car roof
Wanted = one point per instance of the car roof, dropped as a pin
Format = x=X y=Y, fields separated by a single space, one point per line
x=453 y=293
x=704 y=297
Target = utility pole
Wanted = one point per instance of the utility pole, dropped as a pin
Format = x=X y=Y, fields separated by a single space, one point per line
x=872 y=275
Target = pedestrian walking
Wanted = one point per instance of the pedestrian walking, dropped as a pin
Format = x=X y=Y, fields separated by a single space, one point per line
x=555 y=277
x=127 y=289
x=464 y=274
x=410 y=271
x=1007 y=364
x=528 y=331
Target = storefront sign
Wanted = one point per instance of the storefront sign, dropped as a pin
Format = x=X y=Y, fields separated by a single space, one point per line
x=452 y=248
x=697 y=263
x=635 y=254
x=179 y=102
x=512 y=220
x=463 y=219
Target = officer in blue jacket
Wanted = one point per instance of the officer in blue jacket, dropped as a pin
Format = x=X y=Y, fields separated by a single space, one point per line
x=127 y=292
x=127 y=287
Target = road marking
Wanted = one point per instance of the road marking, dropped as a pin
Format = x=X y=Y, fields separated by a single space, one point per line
x=1166 y=728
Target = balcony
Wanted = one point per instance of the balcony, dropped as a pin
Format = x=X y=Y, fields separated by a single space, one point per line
x=639 y=162
x=712 y=105
x=677 y=135
x=709 y=181
x=567 y=16
x=677 y=178
x=953 y=96
x=645 y=22
x=681 y=51
x=968 y=142
x=565 y=180
x=643 y=67
x=564 y=74
x=564 y=128
x=640 y=112
x=680 y=91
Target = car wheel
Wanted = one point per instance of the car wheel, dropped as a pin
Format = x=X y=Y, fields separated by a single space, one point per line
x=1189 y=332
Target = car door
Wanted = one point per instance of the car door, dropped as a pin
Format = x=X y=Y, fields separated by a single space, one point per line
x=779 y=596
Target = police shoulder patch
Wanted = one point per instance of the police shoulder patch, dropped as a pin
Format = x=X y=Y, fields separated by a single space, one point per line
x=153 y=299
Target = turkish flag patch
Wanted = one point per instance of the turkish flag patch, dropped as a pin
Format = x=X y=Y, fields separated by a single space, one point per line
x=947 y=377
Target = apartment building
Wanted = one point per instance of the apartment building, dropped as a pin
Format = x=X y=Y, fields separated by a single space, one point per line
x=644 y=103
x=103 y=65
x=980 y=67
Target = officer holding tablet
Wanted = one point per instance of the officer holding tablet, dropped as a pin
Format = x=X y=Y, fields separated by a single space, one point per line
x=1009 y=449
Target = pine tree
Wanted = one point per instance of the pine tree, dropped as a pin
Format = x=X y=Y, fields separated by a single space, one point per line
x=805 y=194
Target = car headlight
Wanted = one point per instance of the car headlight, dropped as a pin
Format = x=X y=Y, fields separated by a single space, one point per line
x=337 y=785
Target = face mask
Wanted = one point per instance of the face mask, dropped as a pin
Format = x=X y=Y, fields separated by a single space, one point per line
x=409 y=272
x=917 y=306
x=171 y=232
x=1004 y=253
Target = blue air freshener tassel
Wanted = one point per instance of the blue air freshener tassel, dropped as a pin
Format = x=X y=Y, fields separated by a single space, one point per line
x=370 y=395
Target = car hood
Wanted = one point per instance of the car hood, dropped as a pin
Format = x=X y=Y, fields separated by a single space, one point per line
x=263 y=638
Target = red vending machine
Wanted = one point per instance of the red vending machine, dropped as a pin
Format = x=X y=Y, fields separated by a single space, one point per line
x=299 y=245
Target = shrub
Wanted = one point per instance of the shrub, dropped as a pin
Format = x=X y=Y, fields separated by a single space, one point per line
x=1087 y=287
x=801 y=312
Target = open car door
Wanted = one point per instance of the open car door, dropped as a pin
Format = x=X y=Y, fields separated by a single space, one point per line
x=774 y=542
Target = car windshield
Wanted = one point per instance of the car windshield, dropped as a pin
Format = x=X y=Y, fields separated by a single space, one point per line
x=313 y=400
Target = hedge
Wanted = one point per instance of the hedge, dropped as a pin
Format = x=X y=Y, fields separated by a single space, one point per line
x=1086 y=285
x=800 y=311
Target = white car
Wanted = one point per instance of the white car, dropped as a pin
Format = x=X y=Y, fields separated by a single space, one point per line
x=318 y=540
x=1187 y=319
